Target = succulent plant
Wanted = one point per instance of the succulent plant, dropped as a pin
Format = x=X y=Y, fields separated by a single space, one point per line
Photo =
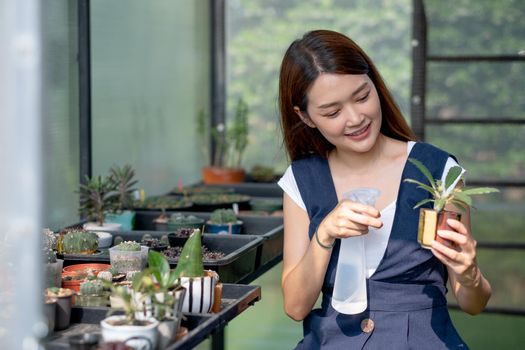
x=164 y=240
x=190 y=260
x=180 y=218
x=146 y=236
x=117 y=240
x=80 y=242
x=262 y=173
x=128 y=246
x=48 y=245
x=105 y=275
x=94 y=287
x=223 y=216
x=123 y=182
x=97 y=196
x=442 y=193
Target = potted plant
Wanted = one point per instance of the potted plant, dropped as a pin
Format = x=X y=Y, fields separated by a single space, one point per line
x=202 y=286
x=223 y=221
x=53 y=265
x=77 y=241
x=122 y=179
x=157 y=293
x=155 y=243
x=137 y=333
x=431 y=220
x=97 y=198
x=92 y=293
x=128 y=256
x=262 y=173
x=179 y=220
x=230 y=142
x=63 y=298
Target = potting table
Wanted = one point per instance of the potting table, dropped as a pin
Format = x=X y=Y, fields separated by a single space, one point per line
x=235 y=299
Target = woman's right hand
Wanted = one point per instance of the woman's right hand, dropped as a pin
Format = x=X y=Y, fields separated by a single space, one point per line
x=348 y=219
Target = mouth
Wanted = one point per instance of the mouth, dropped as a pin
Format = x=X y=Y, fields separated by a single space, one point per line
x=359 y=132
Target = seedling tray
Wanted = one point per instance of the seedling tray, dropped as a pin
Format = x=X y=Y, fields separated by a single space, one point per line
x=238 y=263
x=235 y=299
x=270 y=228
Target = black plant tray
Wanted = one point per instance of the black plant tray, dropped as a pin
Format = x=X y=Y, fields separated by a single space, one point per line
x=235 y=299
x=271 y=228
x=238 y=263
x=254 y=189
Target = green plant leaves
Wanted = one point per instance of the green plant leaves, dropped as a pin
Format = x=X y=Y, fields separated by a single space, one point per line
x=453 y=174
x=190 y=260
x=424 y=171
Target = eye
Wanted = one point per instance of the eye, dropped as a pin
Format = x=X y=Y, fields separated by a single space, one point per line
x=364 y=98
x=331 y=114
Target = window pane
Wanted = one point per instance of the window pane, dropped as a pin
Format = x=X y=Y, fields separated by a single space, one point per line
x=150 y=68
x=259 y=32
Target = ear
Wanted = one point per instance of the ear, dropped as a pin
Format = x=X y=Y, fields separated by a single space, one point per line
x=304 y=117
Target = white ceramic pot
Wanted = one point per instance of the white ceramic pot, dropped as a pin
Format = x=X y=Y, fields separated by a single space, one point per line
x=200 y=292
x=124 y=332
x=108 y=226
x=105 y=239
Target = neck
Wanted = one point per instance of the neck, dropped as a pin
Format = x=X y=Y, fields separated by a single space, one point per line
x=361 y=161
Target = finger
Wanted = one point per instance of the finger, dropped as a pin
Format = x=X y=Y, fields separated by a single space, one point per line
x=362 y=208
x=457 y=226
x=364 y=220
x=453 y=236
x=451 y=254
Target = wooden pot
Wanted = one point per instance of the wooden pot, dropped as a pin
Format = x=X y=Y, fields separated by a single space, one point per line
x=429 y=222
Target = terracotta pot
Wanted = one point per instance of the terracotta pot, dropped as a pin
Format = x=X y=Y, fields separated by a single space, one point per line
x=218 y=175
x=429 y=222
x=73 y=275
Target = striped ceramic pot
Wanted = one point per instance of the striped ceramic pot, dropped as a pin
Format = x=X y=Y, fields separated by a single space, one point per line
x=199 y=292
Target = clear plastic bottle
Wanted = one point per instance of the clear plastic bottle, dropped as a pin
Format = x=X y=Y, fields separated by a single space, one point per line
x=349 y=296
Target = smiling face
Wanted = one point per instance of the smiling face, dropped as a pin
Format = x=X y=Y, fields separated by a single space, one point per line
x=345 y=109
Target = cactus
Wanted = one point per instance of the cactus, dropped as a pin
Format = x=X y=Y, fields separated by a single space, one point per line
x=117 y=240
x=48 y=244
x=190 y=260
x=146 y=237
x=223 y=216
x=128 y=246
x=80 y=242
x=131 y=274
x=94 y=287
x=105 y=275
x=164 y=240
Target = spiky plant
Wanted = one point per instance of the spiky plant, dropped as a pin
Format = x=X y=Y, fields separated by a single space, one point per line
x=223 y=216
x=441 y=192
x=123 y=181
x=97 y=197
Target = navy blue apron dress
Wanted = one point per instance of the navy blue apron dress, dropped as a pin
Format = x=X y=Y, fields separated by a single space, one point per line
x=407 y=308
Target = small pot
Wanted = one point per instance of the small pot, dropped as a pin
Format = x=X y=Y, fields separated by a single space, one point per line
x=53 y=273
x=200 y=292
x=63 y=307
x=107 y=226
x=224 y=228
x=125 y=218
x=219 y=175
x=429 y=222
x=125 y=261
x=84 y=341
x=50 y=308
x=145 y=335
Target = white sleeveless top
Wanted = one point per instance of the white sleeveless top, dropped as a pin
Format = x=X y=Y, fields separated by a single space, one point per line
x=377 y=239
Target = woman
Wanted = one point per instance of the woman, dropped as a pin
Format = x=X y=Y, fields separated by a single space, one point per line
x=343 y=130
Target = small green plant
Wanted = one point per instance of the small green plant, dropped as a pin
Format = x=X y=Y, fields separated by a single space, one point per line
x=48 y=246
x=97 y=197
x=262 y=173
x=123 y=182
x=190 y=260
x=93 y=287
x=106 y=275
x=128 y=246
x=80 y=242
x=223 y=216
x=230 y=140
x=441 y=192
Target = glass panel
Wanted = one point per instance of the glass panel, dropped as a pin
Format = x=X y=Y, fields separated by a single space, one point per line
x=488 y=331
x=61 y=145
x=150 y=69
x=476 y=90
x=475 y=27
x=488 y=152
x=259 y=32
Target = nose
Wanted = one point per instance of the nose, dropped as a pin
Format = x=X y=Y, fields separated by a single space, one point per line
x=353 y=116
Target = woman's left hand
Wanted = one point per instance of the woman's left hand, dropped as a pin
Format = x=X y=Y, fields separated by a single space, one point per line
x=460 y=255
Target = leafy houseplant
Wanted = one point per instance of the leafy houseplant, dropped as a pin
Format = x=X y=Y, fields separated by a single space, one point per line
x=223 y=221
x=123 y=182
x=230 y=142
x=443 y=194
x=97 y=197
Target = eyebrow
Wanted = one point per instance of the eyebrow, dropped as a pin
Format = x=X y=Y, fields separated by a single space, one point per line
x=357 y=91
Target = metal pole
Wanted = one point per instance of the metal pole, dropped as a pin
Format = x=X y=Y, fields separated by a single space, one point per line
x=419 y=56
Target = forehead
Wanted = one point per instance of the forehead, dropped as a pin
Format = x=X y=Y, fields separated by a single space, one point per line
x=329 y=87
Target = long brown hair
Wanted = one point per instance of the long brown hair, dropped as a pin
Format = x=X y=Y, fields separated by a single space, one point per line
x=325 y=51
